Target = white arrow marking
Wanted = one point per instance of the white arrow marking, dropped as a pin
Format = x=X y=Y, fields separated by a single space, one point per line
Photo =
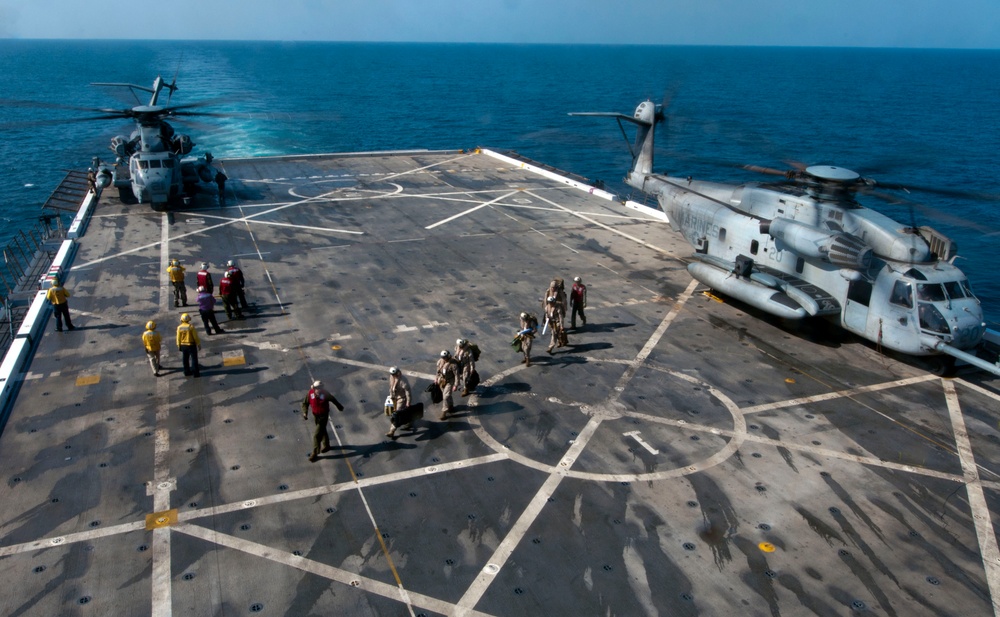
x=635 y=434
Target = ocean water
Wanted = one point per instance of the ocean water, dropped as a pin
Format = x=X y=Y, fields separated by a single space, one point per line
x=923 y=117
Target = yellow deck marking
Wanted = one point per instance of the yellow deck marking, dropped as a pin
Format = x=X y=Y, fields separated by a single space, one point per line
x=233 y=358
x=712 y=296
x=88 y=380
x=161 y=519
x=767 y=547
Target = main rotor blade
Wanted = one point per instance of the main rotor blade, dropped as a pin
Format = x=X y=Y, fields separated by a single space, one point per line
x=43 y=105
x=787 y=173
x=948 y=192
x=53 y=122
x=930 y=213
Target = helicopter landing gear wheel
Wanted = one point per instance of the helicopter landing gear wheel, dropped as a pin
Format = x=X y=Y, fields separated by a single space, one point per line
x=126 y=195
x=943 y=366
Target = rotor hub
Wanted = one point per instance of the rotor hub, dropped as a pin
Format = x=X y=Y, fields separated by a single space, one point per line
x=830 y=173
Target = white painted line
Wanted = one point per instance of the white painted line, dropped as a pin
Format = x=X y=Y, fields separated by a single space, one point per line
x=980 y=511
x=380 y=367
x=350 y=579
x=635 y=435
x=162 y=590
x=494 y=564
x=806 y=400
x=318 y=491
x=162 y=485
x=609 y=228
x=470 y=210
x=72 y=538
x=653 y=341
x=165 y=287
x=402 y=328
x=979 y=389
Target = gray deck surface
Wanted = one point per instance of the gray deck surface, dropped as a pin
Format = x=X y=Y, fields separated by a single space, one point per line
x=680 y=457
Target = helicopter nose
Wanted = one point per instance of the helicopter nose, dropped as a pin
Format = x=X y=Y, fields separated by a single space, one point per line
x=967 y=328
x=158 y=184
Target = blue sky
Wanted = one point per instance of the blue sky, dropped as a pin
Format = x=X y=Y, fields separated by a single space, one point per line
x=867 y=23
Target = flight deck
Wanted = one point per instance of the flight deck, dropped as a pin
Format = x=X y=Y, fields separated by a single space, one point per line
x=683 y=455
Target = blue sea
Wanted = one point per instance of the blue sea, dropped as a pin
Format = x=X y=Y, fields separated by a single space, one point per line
x=922 y=117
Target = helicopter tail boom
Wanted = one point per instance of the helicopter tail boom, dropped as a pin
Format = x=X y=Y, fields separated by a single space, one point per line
x=646 y=115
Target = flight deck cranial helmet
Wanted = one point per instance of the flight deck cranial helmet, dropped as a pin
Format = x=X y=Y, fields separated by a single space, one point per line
x=202 y=289
x=230 y=263
x=552 y=299
x=185 y=318
x=317 y=384
x=204 y=265
x=524 y=315
x=394 y=370
x=461 y=342
x=577 y=280
x=174 y=262
x=445 y=353
x=150 y=325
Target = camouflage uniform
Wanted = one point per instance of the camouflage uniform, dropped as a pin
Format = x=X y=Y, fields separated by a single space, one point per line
x=447 y=377
x=527 y=334
x=466 y=364
x=399 y=392
x=555 y=313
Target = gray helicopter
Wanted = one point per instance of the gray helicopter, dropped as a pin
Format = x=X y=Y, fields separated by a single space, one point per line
x=805 y=247
x=152 y=163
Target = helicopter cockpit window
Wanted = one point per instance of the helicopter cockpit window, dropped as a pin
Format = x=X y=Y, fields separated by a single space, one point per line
x=954 y=289
x=968 y=290
x=154 y=163
x=168 y=163
x=143 y=164
x=902 y=294
x=930 y=292
x=931 y=319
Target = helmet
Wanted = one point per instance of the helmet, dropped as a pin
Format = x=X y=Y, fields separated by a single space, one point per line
x=394 y=371
x=577 y=280
x=204 y=265
x=445 y=353
x=524 y=315
x=185 y=318
x=230 y=263
x=174 y=262
x=150 y=325
x=461 y=342
x=202 y=289
x=317 y=384
x=226 y=275
x=552 y=299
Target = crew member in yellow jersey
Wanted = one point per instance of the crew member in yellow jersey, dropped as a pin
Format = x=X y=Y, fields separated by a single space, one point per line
x=188 y=343
x=151 y=340
x=176 y=273
x=59 y=298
